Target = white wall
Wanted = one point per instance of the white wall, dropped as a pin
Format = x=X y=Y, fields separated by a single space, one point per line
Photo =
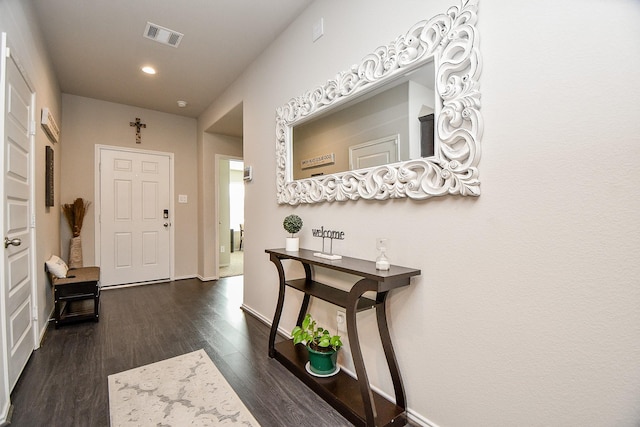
x=210 y=145
x=526 y=312
x=88 y=122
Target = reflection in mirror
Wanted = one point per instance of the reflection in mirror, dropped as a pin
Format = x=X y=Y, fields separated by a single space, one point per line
x=378 y=128
x=377 y=165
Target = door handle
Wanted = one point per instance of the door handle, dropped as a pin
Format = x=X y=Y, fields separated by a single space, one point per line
x=13 y=242
x=166 y=225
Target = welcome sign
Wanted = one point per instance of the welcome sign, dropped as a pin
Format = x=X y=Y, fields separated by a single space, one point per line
x=331 y=235
x=324 y=159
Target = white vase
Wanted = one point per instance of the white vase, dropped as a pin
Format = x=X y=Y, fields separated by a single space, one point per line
x=293 y=244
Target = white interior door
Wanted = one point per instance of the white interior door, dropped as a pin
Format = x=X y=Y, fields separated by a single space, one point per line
x=224 y=227
x=380 y=152
x=135 y=217
x=17 y=261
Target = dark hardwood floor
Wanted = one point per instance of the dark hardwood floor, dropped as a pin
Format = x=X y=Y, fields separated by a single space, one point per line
x=65 y=381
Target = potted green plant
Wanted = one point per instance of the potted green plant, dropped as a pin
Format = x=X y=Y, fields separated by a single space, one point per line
x=322 y=346
x=292 y=224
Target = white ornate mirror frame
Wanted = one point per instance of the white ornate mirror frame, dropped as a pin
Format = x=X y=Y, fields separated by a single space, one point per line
x=451 y=41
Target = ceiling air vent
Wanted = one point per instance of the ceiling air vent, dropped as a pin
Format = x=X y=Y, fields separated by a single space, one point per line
x=162 y=35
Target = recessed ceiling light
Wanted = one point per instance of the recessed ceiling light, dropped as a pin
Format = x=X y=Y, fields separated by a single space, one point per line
x=148 y=70
x=182 y=104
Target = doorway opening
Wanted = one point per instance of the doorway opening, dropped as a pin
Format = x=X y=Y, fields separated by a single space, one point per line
x=231 y=217
x=224 y=143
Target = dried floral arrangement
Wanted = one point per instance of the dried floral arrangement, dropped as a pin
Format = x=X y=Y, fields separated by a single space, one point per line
x=75 y=212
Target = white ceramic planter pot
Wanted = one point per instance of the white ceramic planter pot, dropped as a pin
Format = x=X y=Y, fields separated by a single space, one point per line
x=293 y=244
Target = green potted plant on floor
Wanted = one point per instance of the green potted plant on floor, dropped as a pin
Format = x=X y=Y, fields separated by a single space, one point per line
x=292 y=224
x=322 y=346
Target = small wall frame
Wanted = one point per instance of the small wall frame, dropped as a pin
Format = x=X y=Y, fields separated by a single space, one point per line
x=49 y=182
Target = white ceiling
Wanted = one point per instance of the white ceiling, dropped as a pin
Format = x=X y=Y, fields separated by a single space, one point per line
x=97 y=47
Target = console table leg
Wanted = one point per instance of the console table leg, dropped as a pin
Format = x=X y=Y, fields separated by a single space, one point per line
x=305 y=302
x=357 y=291
x=279 y=306
x=392 y=362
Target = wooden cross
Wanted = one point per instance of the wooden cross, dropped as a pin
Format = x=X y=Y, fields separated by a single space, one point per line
x=138 y=125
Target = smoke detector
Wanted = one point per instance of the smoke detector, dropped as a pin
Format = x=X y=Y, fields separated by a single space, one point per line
x=162 y=35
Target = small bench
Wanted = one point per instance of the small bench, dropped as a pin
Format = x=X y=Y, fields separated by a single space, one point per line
x=77 y=296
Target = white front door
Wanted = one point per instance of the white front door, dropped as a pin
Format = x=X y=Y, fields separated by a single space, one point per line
x=135 y=217
x=19 y=101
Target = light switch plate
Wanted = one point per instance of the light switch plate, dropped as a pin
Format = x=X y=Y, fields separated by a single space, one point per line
x=182 y=198
x=248 y=173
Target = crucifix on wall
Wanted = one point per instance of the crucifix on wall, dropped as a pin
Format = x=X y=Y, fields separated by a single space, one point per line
x=138 y=124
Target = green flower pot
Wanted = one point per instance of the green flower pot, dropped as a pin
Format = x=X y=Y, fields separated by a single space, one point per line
x=322 y=362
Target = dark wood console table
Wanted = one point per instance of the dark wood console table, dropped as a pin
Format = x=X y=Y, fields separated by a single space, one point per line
x=353 y=398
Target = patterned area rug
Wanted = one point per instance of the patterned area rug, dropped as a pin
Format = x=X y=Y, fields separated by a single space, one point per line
x=184 y=390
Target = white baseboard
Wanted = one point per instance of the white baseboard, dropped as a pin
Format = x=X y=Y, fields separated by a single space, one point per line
x=190 y=276
x=419 y=419
x=151 y=282
x=129 y=285
x=255 y=314
x=206 y=279
x=285 y=333
x=5 y=413
x=43 y=330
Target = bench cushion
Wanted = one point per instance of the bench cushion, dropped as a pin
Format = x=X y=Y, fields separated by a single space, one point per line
x=56 y=266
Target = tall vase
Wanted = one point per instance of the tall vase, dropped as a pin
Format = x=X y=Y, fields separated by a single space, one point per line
x=75 y=253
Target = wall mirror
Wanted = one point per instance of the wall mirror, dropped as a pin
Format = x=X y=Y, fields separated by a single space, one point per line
x=374 y=129
x=340 y=141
